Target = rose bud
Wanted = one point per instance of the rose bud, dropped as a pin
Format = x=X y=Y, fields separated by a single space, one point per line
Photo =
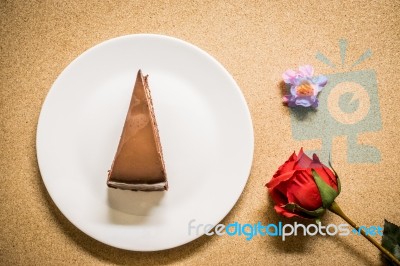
x=303 y=187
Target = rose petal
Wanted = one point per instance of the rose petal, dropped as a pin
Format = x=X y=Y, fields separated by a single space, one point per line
x=278 y=197
x=278 y=179
x=282 y=211
x=315 y=158
x=303 y=191
x=287 y=166
x=303 y=161
x=307 y=71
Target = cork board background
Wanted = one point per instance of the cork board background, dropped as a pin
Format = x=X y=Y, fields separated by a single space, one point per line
x=256 y=41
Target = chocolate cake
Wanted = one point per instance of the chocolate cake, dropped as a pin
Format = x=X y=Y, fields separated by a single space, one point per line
x=138 y=163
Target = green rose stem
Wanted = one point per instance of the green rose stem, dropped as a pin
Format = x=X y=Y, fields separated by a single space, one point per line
x=336 y=209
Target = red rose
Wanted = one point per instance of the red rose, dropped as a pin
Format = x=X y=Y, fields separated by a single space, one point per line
x=303 y=187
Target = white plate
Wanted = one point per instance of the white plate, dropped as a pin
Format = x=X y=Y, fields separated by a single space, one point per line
x=205 y=129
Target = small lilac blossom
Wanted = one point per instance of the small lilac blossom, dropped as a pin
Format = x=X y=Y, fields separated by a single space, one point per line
x=304 y=88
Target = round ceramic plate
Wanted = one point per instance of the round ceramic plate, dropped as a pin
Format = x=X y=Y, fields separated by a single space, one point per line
x=205 y=130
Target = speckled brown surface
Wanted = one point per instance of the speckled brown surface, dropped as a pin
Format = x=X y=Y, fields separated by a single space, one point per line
x=256 y=42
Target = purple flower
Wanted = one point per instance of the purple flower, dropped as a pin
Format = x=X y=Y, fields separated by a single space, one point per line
x=304 y=88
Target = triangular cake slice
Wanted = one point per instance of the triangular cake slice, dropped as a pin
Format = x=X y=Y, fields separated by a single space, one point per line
x=138 y=163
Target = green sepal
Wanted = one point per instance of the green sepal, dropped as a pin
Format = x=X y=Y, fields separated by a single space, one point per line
x=339 y=185
x=293 y=207
x=391 y=238
x=328 y=194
